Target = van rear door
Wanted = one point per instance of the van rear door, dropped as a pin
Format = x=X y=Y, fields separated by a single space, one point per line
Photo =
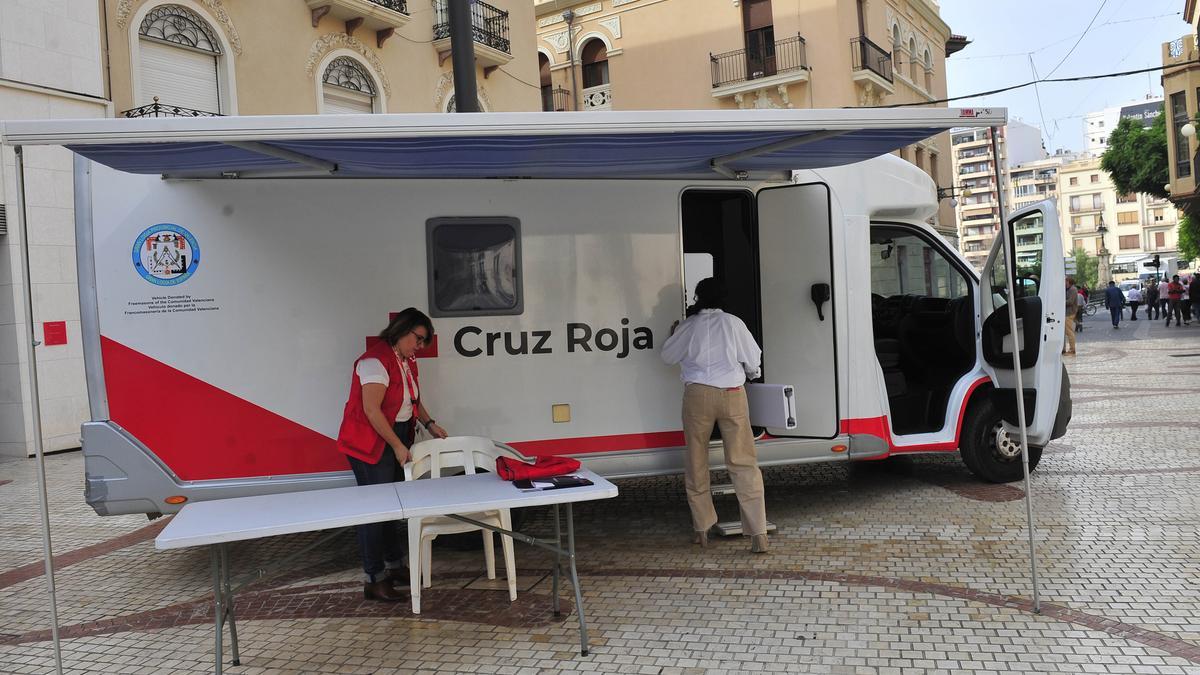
x=1038 y=282
x=798 y=319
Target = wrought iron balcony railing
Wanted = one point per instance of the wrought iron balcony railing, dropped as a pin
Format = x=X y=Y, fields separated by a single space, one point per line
x=556 y=100
x=394 y=5
x=867 y=55
x=758 y=60
x=489 y=25
x=157 y=109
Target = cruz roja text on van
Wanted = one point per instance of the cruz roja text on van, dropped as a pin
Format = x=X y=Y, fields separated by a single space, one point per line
x=580 y=337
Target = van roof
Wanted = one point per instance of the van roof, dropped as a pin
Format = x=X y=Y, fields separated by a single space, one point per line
x=694 y=144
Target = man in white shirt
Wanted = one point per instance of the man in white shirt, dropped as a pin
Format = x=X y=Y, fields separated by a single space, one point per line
x=717 y=354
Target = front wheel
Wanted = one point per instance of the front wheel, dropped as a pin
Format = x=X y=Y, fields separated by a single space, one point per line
x=989 y=451
x=1090 y=310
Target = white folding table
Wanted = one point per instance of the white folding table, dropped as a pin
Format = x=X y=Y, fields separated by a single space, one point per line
x=219 y=522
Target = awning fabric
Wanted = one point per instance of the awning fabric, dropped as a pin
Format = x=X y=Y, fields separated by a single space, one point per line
x=500 y=145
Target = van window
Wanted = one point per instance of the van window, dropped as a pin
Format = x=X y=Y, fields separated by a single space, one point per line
x=905 y=264
x=474 y=266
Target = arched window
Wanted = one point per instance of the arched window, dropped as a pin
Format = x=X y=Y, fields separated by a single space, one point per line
x=179 y=60
x=347 y=88
x=594 y=58
x=912 y=60
x=928 y=72
x=896 y=50
x=547 y=85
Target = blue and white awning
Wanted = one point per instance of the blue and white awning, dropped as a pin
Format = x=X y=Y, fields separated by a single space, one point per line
x=643 y=144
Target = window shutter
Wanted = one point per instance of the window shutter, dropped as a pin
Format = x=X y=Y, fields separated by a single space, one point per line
x=179 y=76
x=342 y=101
x=757 y=14
x=3 y=219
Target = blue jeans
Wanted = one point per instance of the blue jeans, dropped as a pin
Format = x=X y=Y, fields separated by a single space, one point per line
x=1116 y=315
x=382 y=545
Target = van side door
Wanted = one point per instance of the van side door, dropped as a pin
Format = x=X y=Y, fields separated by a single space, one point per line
x=1034 y=262
x=798 y=318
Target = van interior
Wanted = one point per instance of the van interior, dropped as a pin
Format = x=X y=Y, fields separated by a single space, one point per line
x=720 y=240
x=923 y=320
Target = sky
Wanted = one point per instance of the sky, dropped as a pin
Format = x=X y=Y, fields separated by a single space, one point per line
x=1006 y=35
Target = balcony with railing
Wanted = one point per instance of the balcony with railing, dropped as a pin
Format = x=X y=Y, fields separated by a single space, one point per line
x=556 y=99
x=870 y=59
x=760 y=65
x=1088 y=207
x=489 y=28
x=157 y=109
x=382 y=17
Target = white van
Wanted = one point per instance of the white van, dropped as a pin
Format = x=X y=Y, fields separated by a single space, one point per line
x=232 y=269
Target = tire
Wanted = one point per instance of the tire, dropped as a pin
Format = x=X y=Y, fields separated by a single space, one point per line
x=1089 y=310
x=988 y=451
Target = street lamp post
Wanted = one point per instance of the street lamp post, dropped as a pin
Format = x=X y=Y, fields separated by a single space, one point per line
x=1103 y=273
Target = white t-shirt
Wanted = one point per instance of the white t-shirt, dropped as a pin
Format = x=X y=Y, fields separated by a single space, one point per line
x=371 y=371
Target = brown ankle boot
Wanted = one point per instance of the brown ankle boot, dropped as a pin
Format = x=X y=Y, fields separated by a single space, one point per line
x=381 y=590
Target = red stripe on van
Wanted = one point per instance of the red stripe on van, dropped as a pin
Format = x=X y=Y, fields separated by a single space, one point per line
x=878 y=426
x=586 y=444
x=202 y=432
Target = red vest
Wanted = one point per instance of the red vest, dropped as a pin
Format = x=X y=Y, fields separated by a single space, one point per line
x=357 y=437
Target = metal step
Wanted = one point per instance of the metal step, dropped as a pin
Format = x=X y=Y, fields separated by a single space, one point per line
x=734 y=527
x=721 y=490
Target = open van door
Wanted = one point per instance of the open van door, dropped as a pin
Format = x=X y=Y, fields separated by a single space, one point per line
x=1038 y=282
x=796 y=277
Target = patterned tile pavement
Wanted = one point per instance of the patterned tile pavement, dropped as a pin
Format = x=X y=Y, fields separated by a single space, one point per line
x=903 y=566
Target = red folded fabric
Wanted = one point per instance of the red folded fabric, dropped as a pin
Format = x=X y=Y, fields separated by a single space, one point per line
x=510 y=468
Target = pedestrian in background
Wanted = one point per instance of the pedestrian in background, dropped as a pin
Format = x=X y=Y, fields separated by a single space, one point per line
x=1135 y=299
x=1194 y=294
x=1185 y=303
x=1174 y=298
x=1114 y=300
x=1151 y=295
x=1162 y=295
x=1069 y=318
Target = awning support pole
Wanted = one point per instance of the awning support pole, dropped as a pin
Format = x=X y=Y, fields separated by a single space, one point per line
x=1010 y=266
x=721 y=164
x=281 y=153
x=35 y=407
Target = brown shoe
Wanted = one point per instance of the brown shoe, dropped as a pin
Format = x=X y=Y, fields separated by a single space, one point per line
x=759 y=544
x=700 y=537
x=382 y=591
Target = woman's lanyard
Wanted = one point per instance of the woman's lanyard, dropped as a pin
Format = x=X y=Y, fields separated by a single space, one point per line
x=409 y=382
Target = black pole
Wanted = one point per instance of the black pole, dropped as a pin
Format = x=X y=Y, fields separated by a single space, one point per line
x=462 y=55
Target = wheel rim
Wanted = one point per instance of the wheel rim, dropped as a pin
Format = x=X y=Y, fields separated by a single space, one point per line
x=1004 y=446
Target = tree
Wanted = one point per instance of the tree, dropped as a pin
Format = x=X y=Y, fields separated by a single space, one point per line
x=1087 y=268
x=1189 y=238
x=1136 y=157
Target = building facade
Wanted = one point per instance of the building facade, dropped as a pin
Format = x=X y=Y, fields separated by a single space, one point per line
x=1099 y=125
x=1030 y=183
x=301 y=57
x=1181 y=92
x=50 y=68
x=1124 y=230
x=682 y=54
x=978 y=209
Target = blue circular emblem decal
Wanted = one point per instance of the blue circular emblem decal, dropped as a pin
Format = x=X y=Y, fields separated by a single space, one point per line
x=166 y=254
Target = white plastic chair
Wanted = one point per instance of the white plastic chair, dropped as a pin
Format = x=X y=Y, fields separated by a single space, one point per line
x=433 y=459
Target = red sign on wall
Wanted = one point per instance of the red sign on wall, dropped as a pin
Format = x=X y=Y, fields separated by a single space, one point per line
x=54 y=333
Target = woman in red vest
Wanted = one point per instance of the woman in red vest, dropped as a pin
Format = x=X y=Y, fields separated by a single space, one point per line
x=377 y=430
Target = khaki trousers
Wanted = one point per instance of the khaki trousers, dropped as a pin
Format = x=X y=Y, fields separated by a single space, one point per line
x=1069 y=327
x=702 y=406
